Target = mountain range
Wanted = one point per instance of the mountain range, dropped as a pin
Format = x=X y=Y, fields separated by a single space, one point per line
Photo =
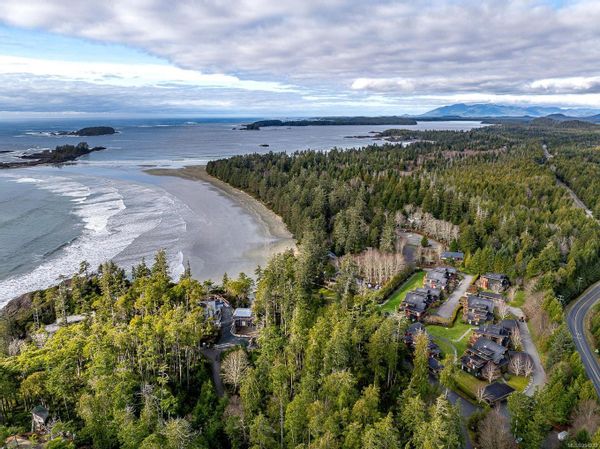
x=499 y=110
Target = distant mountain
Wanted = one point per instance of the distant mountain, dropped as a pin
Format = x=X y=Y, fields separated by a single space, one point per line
x=499 y=110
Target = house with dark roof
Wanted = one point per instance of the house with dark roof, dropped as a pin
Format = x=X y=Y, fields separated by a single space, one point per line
x=496 y=297
x=409 y=339
x=497 y=282
x=416 y=302
x=434 y=365
x=496 y=392
x=509 y=325
x=477 y=310
x=452 y=256
x=39 y=417
x=482 y=352
x=442 y=278
x=493 y=332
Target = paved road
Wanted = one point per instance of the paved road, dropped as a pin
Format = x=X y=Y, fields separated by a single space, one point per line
x=447 y=309
x=576 y=322
x=539 y=375
x=580 y=204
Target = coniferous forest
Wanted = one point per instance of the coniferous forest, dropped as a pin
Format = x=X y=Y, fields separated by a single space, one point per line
x=328 y=368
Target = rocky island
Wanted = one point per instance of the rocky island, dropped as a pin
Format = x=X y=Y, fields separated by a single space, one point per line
x=61 y=154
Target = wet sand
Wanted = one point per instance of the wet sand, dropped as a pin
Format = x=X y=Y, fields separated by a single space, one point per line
x=275 y=235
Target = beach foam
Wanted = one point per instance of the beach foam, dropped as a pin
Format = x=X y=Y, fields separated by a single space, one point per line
x=113 y=215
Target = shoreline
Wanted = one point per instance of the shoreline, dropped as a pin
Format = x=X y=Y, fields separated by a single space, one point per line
x=272 y=223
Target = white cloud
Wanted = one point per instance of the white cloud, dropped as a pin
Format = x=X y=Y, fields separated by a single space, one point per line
x=340 y=54
x=132 y=75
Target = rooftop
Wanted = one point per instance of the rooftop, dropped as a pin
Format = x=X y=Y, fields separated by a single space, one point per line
x=497 y=391
x=242 y=312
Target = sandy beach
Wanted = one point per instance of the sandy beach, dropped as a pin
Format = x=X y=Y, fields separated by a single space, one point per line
x=272 y=226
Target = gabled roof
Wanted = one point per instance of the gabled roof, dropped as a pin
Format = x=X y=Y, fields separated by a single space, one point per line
x=434 y=364
x=486 y=346
x=509 y=325
x=497 y=391
x=475 y=301
x=493 y=329
x=496 y=276
x=492 y=295
x=414 y=328
x=434 y=292
x=242 y=312
x=41 y=412
x=453 y=255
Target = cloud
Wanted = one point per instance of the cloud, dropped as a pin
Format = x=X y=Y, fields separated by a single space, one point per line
x=339 y=54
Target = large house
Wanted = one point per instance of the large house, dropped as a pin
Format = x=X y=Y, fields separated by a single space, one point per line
x=441 y=278
x=482 y=352
x=417 y=302
x=243 y=321
x=499 y=333
x=477 y=310
x=493 y=332
x=494 y=281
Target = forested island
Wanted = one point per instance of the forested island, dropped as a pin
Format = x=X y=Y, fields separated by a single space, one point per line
x=88 y=132
x=333 y=121
x=61 y=154
x=325 y=364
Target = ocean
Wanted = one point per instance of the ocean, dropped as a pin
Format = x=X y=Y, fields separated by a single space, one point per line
x=104 y=206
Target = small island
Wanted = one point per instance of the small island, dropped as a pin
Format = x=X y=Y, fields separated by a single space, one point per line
x=90 y=131
x=61 y=154
x=332 y=121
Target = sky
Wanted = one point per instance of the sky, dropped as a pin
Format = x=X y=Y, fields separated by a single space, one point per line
x=294 y=58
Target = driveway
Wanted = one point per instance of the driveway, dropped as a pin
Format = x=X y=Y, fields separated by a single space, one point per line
x=226 y=340
x=447 y=309
x=539 y=375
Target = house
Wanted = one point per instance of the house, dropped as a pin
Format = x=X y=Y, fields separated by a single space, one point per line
x=494 y=281
x=213 y=308
x=510 y=325
x=440 y=278
x=482 y=352
x=496 y=392
x=39 y=417
x=452 y=256
x=477 y=310
x=496 y=297
x=493 y=332
x=434 y=365
x=412 y=331
x=243 y=321
x=416 y=302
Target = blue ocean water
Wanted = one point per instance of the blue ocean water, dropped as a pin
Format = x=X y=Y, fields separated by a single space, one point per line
x=105 y=207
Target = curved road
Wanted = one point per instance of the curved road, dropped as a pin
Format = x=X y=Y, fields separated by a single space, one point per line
x=576 y=322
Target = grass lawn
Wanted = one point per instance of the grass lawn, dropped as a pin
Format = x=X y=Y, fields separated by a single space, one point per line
x=445 y=346
x=468 y=384
x=415 y=281
x=519 y=299
x=453 y=334
x=518 y=382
